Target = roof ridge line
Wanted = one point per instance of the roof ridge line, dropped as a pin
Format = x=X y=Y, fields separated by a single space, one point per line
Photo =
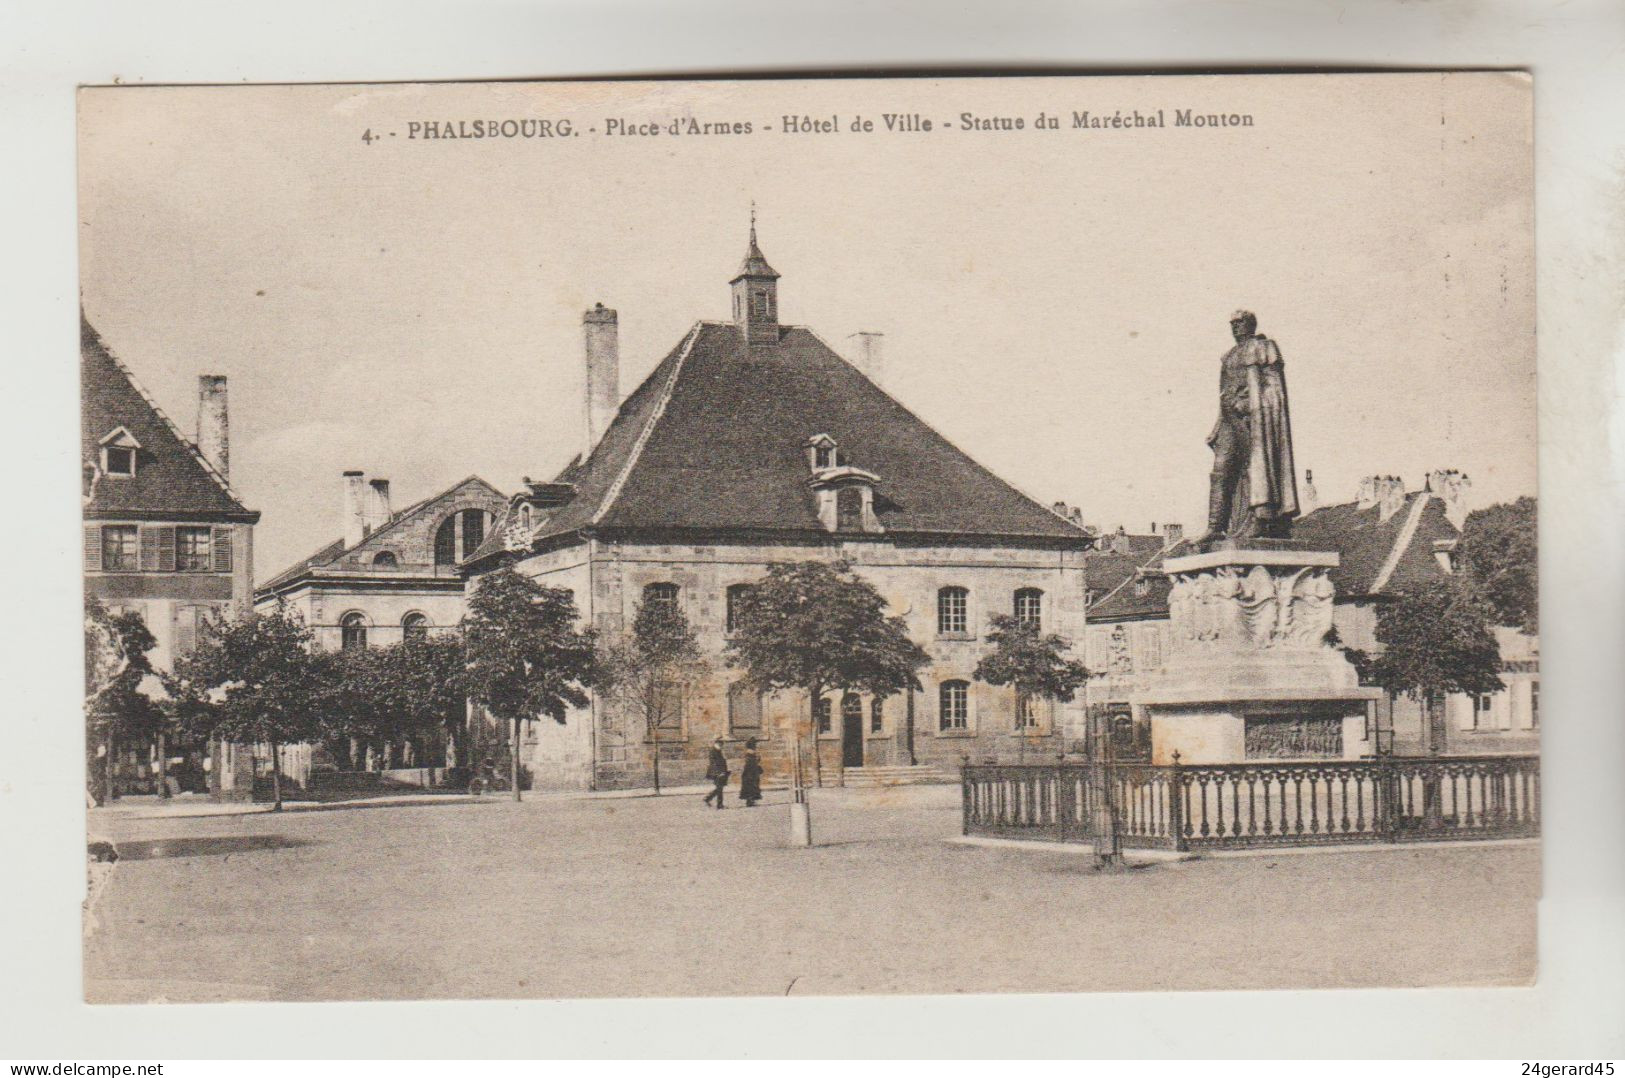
x=163 y=416
x=647 y=432
x=1402 y=543
x=954 y=446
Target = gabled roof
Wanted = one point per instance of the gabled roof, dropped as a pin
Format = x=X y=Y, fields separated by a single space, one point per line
x=171 y=477
x=715 y=440
x=1376 y=555
x=336 y=550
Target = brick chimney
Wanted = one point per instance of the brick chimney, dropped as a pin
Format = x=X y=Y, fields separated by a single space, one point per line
x=1308 y=497
x=1390 y=494
x=601 y=332
x=1172 y=535
x=868 y=355
x=377 y=505
x=213 y=432
x=353 y=518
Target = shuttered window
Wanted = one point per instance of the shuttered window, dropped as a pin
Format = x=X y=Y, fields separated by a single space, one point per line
x=189 y=626
x=669 y=708
x=149 y=550
x=93 y=548
x=744 y=709
x=166 y=549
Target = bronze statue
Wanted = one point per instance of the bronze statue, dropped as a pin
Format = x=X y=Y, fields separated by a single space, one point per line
x=1253 y=491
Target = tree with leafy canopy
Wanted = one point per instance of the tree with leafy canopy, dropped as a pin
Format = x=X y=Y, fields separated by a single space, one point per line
x=1436 y=639
x=648 y=673
x=1498 y=551
x=254 y=680
x=1034 y=662
x=426 y=689
x=348 y=698
x=119 y=679
x=526 y=658
x=817 y=626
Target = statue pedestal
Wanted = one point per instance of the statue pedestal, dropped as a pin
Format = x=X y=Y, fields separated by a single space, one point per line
x=1248 y=674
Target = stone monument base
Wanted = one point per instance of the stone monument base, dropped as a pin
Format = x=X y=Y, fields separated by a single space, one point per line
x=1249 y=674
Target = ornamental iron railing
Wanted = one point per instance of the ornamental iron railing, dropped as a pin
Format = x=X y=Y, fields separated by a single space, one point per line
x=1275 y=803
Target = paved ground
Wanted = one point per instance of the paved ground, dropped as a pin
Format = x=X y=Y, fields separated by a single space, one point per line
x=660 y=896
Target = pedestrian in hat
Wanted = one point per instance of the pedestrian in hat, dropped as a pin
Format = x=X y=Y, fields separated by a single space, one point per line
x=717 y=771
x=750 y=777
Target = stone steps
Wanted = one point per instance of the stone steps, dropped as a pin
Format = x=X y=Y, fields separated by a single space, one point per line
x=896 y=775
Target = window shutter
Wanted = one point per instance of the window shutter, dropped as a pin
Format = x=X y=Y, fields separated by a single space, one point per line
x=220 y=543
x=149 y=549
x=93 y=548
x=185 y=630
x=166 y=549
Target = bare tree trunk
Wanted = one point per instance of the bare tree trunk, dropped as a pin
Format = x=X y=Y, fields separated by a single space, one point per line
x=910 y=728
x=276 y=777
x=513 y=761
x=655 y=732
x=817 y=745
x=110 y=769
x=163 y=766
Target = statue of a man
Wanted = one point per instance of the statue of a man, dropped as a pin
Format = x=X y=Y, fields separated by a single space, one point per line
x=1253 y=490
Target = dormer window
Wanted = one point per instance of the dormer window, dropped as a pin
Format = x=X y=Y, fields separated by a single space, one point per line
x=119 y=453
x=822 y=453
x=845 y=495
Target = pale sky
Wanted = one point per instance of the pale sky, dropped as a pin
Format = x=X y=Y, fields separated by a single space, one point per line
x=1055 y=302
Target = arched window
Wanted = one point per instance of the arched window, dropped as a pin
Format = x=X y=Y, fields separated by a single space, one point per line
x=737 y=596
x=849 y=509
x=663 y=593
x=953 y=610
x=824 y=709
x=353 y=631
x=1030 y=607
x=953 y=705
x=386 y=559
x=445 y=542
x=415 y=626
x=877 y=715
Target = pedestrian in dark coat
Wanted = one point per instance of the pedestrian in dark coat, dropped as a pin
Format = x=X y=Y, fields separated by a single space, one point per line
x=750 y=778
x=717 y=771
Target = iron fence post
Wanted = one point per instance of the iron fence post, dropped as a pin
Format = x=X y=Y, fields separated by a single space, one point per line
x=1176 y=803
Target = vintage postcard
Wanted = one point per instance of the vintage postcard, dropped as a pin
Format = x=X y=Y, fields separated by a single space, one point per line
x=831 y=536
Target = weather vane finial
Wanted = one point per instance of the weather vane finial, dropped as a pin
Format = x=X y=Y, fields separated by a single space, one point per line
x=753 y=222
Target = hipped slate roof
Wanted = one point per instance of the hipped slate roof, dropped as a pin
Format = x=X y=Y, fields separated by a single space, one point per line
x=715 y=440
x=1377 y=555
x=171 y=477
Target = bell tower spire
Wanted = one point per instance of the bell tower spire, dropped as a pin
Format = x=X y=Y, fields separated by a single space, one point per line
x=756 y=294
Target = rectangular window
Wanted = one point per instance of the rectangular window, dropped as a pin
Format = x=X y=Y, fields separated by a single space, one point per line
x=736 y=597
x=954 y=705
x=825 y=709
x=1482 y=704
x=119 y=548
x=192 y=552
x=1030 y=607
x=744 y=710
x=877 y=715
x=1534 y=705
x=1026 y=712
x=120 y=460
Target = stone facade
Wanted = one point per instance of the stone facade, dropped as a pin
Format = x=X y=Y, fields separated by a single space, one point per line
x=598 y=748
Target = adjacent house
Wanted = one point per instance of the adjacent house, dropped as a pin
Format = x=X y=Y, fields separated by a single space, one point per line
x=1384 y=538
x=754 y=442
x=165 y=536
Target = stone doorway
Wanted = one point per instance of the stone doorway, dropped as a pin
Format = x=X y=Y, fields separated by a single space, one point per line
x=851 y=730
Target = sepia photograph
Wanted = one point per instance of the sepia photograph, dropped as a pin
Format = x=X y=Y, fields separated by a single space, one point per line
x=821 y=537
